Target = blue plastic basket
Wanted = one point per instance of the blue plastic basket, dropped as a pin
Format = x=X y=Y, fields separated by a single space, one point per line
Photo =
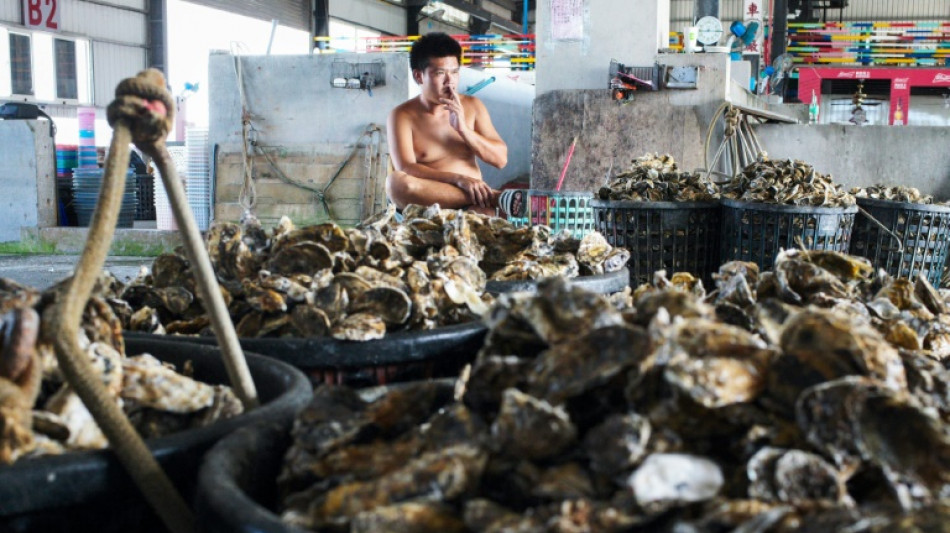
x=559 y=210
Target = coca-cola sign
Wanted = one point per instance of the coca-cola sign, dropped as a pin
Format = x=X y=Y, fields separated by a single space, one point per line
x=941 y=78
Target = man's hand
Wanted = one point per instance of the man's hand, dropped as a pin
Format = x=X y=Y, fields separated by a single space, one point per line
x=477 y=191
x=456 y=112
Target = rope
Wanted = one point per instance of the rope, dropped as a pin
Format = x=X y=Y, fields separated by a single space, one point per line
x=738 y=138
x=900 y=243
x=142 y=112
x=247 y=198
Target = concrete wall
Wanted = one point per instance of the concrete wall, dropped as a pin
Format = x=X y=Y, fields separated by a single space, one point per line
x=307 y=127
x=916 y=156
x=609 y=135
x=630 y=32
x=27 y=178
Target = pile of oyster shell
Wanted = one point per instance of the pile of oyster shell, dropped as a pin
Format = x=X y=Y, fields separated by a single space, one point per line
x=897 y=193
x=42 y=415
x=654 y=178
x=813 y=397
x=786 y=182
x=427 y=271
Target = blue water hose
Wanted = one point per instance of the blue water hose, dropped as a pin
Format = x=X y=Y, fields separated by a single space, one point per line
x=472 y=89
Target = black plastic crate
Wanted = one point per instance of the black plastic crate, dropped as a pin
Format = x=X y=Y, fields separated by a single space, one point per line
x=923 y=231
x=758 y=231
x=145 y=209
x=671 y=236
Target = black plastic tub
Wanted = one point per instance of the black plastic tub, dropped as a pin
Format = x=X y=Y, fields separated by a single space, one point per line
x=671 y=236
x=920 y=240
x=601 y=283
x=237 y=483
x=90 y=491
x=397 y=357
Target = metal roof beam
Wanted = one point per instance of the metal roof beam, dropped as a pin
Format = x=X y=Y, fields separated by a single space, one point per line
x=476 y=12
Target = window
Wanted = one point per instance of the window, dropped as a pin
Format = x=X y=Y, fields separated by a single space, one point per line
x=21 y=64
x=65 y=63
x=347 y=37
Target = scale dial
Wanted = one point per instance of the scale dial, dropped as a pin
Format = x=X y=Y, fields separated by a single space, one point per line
x=708 y=30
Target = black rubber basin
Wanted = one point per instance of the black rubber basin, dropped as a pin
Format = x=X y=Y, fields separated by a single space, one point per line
x=90 y=491
x=397 y=357
x=237 y=483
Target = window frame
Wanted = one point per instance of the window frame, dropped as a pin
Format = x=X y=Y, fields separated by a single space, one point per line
x=58 y=75
x=44 y=58
x=9 y=62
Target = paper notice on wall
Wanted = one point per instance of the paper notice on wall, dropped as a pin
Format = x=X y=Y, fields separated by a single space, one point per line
x=567 y=20
x=752 y=11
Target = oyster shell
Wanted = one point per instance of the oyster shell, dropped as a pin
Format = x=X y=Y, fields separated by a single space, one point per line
x=654 y=178
x=786 y=182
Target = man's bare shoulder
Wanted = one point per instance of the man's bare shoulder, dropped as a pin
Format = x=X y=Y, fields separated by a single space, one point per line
x=468 y=99
x=406 y=109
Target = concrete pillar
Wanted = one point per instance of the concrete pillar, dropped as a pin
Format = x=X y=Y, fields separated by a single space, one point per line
x=158 y=35
x=779 y=28
x=702 y=8
x=321 y=22
x=630 y=32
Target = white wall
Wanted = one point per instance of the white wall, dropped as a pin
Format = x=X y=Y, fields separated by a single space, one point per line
x=630 y=32
x=509 y=104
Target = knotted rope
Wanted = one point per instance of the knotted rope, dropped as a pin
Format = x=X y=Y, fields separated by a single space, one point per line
x=142 y=112
x=738 y=137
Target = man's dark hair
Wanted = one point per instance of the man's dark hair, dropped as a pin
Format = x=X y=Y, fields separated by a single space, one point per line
x=432 y=45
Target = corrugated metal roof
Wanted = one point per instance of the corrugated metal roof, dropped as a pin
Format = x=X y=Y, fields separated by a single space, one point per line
x=10 y=12
x=103 y=22
x=141 y=5
x=111 y=64
x=292 y=13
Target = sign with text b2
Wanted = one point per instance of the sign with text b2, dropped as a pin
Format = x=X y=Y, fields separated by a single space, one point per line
x=41 y=14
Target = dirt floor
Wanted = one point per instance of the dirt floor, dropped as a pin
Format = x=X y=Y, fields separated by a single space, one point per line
x=41 y=271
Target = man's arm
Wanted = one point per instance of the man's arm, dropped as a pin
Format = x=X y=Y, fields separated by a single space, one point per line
x=484 y=139
x=481 y=138
x=399 y=134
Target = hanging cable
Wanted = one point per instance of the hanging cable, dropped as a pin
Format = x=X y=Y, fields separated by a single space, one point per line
x=247 y=198
x=372 y=131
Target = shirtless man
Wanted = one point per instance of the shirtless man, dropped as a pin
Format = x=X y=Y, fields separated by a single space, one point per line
x=435 y=137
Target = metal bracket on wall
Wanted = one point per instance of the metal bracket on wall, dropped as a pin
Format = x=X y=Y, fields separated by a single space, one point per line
x=680 y=77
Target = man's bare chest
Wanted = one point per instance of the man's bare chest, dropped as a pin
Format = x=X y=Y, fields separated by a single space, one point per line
x=434 y=138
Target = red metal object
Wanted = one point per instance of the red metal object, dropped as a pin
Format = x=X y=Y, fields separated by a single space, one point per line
x=902 y=79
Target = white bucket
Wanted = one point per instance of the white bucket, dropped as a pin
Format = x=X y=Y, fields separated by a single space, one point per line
x=690 y=36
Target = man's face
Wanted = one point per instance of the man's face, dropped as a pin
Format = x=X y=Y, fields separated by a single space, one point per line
x=440 y=79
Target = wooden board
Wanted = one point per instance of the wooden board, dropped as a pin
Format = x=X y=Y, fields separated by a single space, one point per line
x=291 y=182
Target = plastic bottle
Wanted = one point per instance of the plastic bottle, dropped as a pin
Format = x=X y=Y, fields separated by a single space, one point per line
x=898 y=115
x=813 y=109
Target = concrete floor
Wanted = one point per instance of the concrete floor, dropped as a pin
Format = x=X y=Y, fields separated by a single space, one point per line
x=42 y=271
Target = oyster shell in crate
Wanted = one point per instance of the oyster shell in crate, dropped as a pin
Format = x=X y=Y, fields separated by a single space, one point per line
x=667 y=480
